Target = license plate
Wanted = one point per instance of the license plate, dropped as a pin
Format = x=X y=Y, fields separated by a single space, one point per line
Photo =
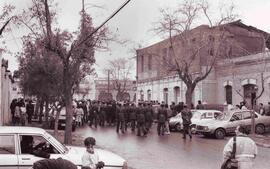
x=63 y=124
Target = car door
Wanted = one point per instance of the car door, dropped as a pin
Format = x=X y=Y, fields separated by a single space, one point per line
x=8 y=152
x=234 y=121
x=26 y=159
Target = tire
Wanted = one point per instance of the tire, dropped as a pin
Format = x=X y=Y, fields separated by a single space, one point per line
x=220 y=133
x=259 y=129
x=178 y=127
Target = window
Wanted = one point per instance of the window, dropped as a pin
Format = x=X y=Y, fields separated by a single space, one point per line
x=236 y=117
x=228 y=92
x=150 y=62
x=29 y=143
x=142 y=63
x=246 y=115
x=7 y=144
x=164 y=56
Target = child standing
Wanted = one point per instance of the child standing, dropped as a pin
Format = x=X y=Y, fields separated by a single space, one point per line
x=90 y=159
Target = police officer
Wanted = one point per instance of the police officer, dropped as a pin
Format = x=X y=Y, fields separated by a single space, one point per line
x=132 y=117
x=141 y=121
x=120 y=119
x=149 y=116
x=161 y=119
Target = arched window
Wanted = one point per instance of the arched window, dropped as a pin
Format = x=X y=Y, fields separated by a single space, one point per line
x=165 y=95
x=176 y=92
x=250 y=91
x=148 y=95
x=228 y=94
x=141 y=95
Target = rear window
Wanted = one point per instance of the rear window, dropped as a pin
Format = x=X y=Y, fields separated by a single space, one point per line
x=7 y=144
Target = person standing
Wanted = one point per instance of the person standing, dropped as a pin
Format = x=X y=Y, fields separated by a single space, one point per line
x=186 y=118
x=246 y=149
x=29 y=111
x=12 y=110
x=161 y=119
x=267 y=113
x=261 y=110
x=200 y=105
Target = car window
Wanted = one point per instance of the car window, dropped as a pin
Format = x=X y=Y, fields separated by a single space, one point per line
x=236 y=116
x=246 y=115
x=216 y=114
x=7 y=144
x=36 y=142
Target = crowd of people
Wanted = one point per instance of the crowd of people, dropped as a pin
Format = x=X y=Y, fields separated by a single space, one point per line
x=21 y=113
x=136 y=117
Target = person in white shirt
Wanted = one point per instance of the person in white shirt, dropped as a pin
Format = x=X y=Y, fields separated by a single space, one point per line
x=246 y=149
x=90 y=159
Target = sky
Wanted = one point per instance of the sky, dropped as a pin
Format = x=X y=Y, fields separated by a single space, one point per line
x=133 y=23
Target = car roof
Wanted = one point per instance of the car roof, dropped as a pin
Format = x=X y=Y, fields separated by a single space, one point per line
x=203 y=110
x=20 y=130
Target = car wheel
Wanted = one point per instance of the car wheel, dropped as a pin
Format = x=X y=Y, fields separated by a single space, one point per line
x=259 y=129
x=220 y=133
x=178 y=127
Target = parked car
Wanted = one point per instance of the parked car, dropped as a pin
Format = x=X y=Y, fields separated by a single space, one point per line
x=61 y=120
x=11 y=155
x=176 y=123
x=227 y=123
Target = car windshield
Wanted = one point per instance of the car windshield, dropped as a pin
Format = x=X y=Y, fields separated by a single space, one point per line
x=196 y=115
x=224 y=116
x=56 y=142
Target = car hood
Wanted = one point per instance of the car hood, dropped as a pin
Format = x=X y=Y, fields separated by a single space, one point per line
x=75 y=154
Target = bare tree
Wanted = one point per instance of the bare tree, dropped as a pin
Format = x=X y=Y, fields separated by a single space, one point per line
x=120 y=70
x=191 y=53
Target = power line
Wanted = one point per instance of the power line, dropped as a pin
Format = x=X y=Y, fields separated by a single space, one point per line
x=110 y=17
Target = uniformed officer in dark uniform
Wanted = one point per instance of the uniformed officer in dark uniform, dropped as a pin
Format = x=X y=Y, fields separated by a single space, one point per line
x=120 y=119
x=132 y=116
x=161 y=119
x=186 y=117
x=149 y=115
x=141 y=121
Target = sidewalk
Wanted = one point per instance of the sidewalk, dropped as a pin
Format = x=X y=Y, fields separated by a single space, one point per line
x=262 y=140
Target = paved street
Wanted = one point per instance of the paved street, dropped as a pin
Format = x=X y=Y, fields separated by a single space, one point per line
x=169 y=151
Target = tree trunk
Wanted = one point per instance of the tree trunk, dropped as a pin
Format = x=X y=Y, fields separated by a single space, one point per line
x=37 y=108
x=56 y=122
x=188 y=94
x=68 y=105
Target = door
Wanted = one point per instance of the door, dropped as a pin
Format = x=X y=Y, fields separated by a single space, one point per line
x=39 y=145
x=8 y=153
x=235 y=121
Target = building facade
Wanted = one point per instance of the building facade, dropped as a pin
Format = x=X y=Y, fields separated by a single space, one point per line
x=237 y=75
x=105 y=90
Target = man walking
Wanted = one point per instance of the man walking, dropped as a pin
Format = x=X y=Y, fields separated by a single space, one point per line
x=186 y=117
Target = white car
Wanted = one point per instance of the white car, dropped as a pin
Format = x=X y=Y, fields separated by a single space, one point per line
x=227 y=123
x=176 y=123
x=11 y=156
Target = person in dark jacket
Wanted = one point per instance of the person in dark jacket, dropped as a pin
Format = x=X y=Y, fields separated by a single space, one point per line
x=29 y=111
x=132 y=117
x=162 y=117
x=186 y=118
x=141 y=121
